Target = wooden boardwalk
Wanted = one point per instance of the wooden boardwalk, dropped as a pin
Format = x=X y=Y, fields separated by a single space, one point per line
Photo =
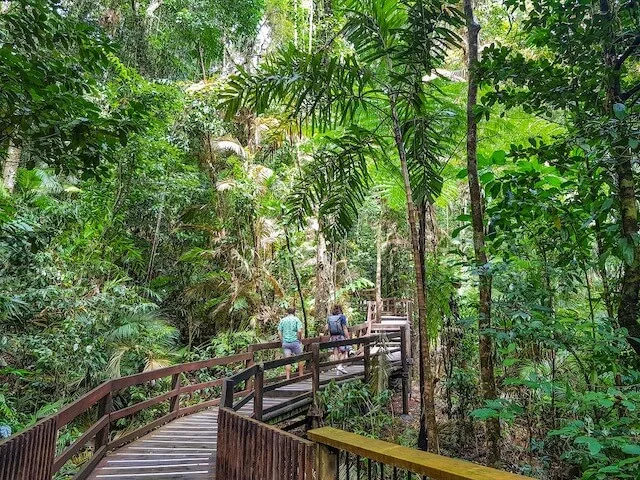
x=182 y=443
x=185 y=449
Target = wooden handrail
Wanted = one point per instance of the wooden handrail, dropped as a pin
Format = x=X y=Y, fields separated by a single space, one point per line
x=39 y=442
x=436 y=467
x=19 y=444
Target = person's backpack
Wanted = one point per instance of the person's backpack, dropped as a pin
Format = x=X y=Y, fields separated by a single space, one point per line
x=335 y=324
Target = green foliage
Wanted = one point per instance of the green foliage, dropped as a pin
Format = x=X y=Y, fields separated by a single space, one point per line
x=604 y=442
x=50 y=68
x=353 y=406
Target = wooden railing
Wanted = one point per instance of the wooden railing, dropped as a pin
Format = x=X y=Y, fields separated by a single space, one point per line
x=251 y=381
x=31 y=455
x=345 y=456
x=254 y=450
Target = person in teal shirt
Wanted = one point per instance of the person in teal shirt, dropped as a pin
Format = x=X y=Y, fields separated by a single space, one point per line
x=290 y=333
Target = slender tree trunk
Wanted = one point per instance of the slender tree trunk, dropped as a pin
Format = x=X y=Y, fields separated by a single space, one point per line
x=298 y=285
x=311 y=12
x=10 y=167
x=202 y=66
x=428 y=413
x=379 y=249
x=484 y=319
x=322 y=280
x=156 y=239
x=602 y=269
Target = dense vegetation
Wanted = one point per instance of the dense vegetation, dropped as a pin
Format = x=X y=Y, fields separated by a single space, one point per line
x=176 y=172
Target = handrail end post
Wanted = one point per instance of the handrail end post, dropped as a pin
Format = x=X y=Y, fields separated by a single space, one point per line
x=104 y=408
x=326 y=462
x=174 y=403
x=226 y=399
x=258 y=392
x=404 y=346
x=315 y=365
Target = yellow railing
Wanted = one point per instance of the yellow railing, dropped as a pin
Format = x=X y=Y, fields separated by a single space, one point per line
x=344 y=455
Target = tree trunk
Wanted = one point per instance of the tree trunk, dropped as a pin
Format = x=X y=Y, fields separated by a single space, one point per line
x=428 y=411
x=323 y=279
x=202 y=66
x=628 y=308
x=602 y=269
x=487 y=377
x=311 y=9
x=10 y=167
x=298 y=285
x=379 y=249
x=630 y=288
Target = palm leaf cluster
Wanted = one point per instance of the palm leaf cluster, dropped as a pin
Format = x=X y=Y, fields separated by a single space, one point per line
x=390 y=48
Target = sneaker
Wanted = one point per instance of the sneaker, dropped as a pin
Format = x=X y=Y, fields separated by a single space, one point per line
x=342 y=370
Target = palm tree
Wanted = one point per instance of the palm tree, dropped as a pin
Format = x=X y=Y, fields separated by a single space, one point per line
x=369 y=82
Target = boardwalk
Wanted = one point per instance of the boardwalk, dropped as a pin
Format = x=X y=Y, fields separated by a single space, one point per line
x=185 y=449
x=182 y=443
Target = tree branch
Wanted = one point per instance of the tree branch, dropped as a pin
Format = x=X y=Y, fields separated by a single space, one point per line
x=630 y=93
x=630 y=49
x=153 y=6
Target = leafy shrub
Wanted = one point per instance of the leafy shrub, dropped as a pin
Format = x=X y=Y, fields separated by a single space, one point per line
x=354 y=407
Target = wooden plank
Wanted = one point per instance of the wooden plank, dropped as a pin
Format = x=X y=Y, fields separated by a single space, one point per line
x=286 y=403
x=348 y=341
x=70 y=412
x=76 y=446
x=125 y=412
x=120 y=383
x=258 y=393
x=29 y=454
x=437 y=467
x=200 y=406
x=246 y=399
x=142 y=430
x=283 y=383
x=243 y=375
x=281 y=362
x=226 y=399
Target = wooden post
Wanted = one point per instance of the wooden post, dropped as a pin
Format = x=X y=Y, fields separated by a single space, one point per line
x=315 y=369
x=104 y=408
x=226 y=399
x=174 y=402
x=405 y=370
x=250 y=363
x=326 y=462
x=367 y=361
x=257 y=392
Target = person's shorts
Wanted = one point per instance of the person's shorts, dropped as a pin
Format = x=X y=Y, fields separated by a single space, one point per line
x=342 y=348
x=292 y=348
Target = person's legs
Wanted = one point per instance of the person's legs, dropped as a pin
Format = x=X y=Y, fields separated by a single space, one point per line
x=298 y=351
x=341 y=356
x=287 y=353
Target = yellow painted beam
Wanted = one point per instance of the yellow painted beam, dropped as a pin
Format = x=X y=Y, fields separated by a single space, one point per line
x=437 y=467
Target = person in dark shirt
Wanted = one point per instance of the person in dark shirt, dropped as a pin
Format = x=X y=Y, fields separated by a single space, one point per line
x=338 y=329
